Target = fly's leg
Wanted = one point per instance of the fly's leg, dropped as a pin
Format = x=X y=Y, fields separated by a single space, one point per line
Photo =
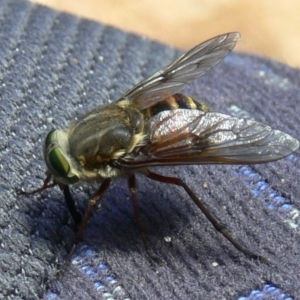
x=92 y=202
x=132 y=188
x=70 y=203
x=206 y=212
x=65 y=188
x=46 y=185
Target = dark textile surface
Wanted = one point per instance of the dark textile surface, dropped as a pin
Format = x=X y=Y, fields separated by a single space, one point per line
x=53 y=68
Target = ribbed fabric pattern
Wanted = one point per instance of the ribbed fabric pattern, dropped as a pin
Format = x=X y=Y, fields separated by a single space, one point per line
x=55 y=67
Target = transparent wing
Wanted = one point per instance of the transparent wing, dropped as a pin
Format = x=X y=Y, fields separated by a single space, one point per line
x=185 y=136
x=182 y=71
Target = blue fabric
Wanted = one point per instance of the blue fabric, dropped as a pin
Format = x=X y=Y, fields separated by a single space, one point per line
x=55 y=67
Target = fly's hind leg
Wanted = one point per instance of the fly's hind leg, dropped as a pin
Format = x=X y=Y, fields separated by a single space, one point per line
x=206 y=212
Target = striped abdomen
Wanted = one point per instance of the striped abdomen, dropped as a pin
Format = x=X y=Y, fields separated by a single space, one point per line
x=176 y=101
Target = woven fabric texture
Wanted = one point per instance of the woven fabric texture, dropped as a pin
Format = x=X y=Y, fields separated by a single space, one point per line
x=55 y=67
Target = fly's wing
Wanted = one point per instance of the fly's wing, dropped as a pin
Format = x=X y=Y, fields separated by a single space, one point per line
x=182 y=71
x=185 y=136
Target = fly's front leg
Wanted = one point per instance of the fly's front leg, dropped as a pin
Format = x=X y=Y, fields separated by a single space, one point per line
x=92 y=202
x=70 y=203
x=206 y=212
x=46 y=185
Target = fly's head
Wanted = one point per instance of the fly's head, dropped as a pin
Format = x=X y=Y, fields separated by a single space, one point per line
x=64 y=168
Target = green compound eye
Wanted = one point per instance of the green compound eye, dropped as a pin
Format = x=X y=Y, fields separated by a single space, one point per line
x=57 y=157
x=58 y=162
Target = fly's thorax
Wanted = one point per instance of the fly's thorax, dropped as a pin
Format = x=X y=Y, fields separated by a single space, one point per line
x=106 y=134
x=60 y=163
x=176 y=101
